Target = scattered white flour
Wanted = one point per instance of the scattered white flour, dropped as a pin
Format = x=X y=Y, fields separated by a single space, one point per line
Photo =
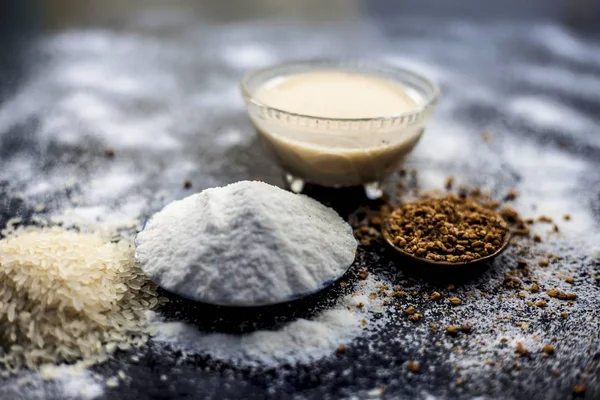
x=229 y=138
x=247 y=243
x=72 y=382
x=75 y=382
x=300 y=341
x=158 y=113
x=558 y=40
x=248 y=56
x=566 y=81
x=549 y=114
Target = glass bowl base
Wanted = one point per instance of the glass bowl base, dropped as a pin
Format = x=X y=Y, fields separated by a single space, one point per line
x=372 y=189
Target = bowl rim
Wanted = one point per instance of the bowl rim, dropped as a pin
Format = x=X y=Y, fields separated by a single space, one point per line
x=430 y=101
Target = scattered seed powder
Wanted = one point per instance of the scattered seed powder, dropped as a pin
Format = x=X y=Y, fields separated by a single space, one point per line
x=413 y=367
x=471 y=357
x=67 y=296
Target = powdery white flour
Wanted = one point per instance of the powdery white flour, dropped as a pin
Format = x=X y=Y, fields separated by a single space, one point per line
x=54 y=382
x=298 y=342
x=247 y=243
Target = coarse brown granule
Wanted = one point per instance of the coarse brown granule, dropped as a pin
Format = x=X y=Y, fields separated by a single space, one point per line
x=455 y=301
x=522 y=264
x=360 y=305
x=413 y=367
x=449 y=182
x=503 y=340
x=509 y=214
x=520 y=349
x=557 y=294
x=364 y=274
x=537 y=238
x=567 y=217
x=569 y=279
x=545 y=219
x=414 y=317
x=511 y=195
x=448 y=229
x=434 y=326
x=579 y=390
x=521 y=231
x=534 y=288
x=187 y=184
x=450 y=287
x=555 y=228
x=375 y=220
x=529 y=221
x=341 y=349
x=109 y=153
x=491 y=205
x=372 y=296
x=435 y=296
x=564 y=315
x=544 y=263
x=548 y=349
x=452 y=330
x=466 y=328
x=511 y=282
x=541 y=303
x=410 y=310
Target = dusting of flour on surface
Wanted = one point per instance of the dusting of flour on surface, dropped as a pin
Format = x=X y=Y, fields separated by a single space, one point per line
x=159 y=115
x=70 y=382
x=300 y=341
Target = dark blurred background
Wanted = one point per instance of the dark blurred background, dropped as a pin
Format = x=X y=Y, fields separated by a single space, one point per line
x=58 y=14
x=21 y=21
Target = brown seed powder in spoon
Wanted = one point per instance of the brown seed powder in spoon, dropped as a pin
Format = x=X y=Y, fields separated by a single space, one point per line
x=450 y=229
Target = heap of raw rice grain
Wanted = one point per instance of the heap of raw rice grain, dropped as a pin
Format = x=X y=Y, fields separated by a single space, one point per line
x=67 y=295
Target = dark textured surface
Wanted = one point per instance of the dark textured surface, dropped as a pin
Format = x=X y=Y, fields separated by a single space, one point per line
x=168 y=81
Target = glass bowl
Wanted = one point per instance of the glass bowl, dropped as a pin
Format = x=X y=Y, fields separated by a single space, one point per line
x=338 y=152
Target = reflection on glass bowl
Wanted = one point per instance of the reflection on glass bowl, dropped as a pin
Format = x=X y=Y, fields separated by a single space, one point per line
x=340 y=151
